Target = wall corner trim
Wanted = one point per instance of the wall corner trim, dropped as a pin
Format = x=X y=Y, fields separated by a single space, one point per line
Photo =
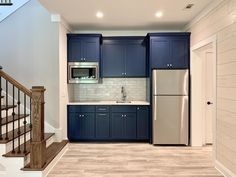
x=55 y=17
x=223 y=170
x=203 y=13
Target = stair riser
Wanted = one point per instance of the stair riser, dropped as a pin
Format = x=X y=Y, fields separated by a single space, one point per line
x=9 y=144
x=10 y=125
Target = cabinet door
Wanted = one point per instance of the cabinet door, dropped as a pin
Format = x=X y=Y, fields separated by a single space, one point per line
x=73 y=126
x=74 y=48
x=143 y=122
x=113 y=60
x=91 y=49
x=179 y=52
x=135 y=65
x=117 y=126
x=159 y=52
x=87 y=126
x=130 y=126
x=102 y=126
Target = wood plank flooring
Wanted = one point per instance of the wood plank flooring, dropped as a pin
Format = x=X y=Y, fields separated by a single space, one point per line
x=134 y=160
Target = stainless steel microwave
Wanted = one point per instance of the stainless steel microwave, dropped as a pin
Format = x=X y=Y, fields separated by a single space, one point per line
x=83 y=72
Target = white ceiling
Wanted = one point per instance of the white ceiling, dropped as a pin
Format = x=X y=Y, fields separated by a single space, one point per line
x=126 y=14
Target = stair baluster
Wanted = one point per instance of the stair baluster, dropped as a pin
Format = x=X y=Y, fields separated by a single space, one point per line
x=13 y=118
x=1 y=108
x=6 y=138
x=19 y=130
x=25 y=122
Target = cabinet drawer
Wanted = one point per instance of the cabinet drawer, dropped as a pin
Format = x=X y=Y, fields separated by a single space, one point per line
x=81 y=109
x=123 y=109
x=102 y=108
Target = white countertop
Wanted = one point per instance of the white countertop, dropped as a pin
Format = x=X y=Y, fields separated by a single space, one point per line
x=108 y=103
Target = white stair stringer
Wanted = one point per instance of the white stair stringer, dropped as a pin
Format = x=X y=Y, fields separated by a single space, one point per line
x=13 y=165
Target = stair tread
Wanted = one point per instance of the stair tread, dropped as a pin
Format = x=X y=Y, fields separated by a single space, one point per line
x=10 y=118
x=2 y=96
x=4 y=107
x=23 y=154
x=10 y=134
x=51 y=152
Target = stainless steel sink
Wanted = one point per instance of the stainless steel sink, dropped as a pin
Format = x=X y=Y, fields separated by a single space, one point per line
x=123 y=101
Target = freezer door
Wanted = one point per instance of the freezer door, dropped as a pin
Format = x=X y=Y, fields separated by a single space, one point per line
x=170 y=120
x=170 y=82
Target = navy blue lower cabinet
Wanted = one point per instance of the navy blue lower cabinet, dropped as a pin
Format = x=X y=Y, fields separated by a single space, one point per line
x=108 y=123
x=130 y=126
x=81 y=126
x=73 y=123
x=117 y=126
x=102 y=126
x=143 y=122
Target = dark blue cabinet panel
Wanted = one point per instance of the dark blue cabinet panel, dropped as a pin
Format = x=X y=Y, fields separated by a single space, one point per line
x=81 y=109
x=123 y=109
x=73 y=129
x=179 y=52
x=169 y=50
x=123 y=57
x=91 y=49
x=83 y=47
x=117 y=126
x=102 y=126
x=113 y=60
x=135 y=65
x=159 y=52
x=143 y=122
x=130 y=126
x=81 y=126
x=74 y=52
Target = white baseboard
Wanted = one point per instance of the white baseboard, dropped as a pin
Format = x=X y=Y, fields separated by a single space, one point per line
x=223 y=170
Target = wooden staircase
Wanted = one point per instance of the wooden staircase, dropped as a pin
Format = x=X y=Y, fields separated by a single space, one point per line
x=22 y=130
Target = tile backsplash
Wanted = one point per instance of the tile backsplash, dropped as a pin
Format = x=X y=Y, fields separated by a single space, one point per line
x=110 y=90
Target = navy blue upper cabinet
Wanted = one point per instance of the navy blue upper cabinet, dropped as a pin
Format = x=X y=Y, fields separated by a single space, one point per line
x=113 y=60
x=83 y=47
x=135 y=65
x=169 y=50
x=123 y=57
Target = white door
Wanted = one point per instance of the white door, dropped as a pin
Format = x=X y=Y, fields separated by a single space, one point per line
x=209 y=98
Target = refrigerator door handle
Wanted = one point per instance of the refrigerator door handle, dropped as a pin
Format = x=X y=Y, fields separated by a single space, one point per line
x=154 y=107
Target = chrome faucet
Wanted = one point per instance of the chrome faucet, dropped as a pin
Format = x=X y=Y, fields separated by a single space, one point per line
x=123 y=92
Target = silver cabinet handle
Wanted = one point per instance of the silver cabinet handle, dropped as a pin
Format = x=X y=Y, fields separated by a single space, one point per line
x=102 y=109
x=170 y=64
x=79 y=115
x=124 y=115
x=137 y=108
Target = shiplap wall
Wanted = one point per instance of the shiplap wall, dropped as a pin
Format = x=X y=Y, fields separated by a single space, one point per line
x=221 y=22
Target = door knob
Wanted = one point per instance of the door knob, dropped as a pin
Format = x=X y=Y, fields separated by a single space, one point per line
x=209 y=103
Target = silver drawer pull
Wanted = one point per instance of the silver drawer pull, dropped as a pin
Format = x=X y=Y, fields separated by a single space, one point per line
x=102 y=109
x=102 y=114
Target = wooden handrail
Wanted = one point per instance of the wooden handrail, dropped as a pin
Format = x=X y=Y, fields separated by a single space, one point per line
x=15 y=83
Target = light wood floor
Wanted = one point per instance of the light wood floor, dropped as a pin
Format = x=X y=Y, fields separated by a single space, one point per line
x=134 y=160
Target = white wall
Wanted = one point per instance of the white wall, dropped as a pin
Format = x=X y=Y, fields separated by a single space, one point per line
x=221 y=22
x=29 y=53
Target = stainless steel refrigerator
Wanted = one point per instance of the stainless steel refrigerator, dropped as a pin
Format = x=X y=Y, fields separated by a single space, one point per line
x=170 y=107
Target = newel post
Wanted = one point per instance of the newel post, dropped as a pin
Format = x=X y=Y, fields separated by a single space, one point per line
x=38 y=144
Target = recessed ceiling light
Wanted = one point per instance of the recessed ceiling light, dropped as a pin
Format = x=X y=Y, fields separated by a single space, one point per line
x=99 y=15
x=159 y=14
